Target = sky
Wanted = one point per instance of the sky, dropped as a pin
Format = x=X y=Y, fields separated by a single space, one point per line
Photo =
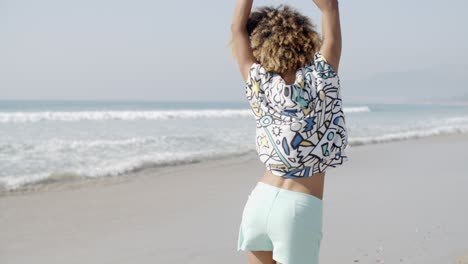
x=177 y=50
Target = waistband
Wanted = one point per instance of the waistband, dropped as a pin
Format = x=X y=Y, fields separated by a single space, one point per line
x=298 y=196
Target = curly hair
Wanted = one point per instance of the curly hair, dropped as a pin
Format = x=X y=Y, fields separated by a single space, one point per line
x=281 y=38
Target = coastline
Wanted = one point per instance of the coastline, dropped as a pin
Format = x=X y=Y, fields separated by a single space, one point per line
x=401 y=208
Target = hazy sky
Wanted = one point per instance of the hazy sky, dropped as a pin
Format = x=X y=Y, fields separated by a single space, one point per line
x=177 y=50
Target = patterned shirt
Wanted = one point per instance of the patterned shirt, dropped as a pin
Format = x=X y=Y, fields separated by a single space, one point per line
x=300 y=128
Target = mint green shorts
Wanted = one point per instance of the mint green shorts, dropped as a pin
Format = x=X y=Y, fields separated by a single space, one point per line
x=289 y=223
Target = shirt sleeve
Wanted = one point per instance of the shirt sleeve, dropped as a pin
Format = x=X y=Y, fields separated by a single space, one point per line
x=329 y=105
x=253 y=87
x=323 y=69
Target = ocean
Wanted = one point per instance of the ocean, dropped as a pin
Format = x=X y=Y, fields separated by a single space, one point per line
x=50 y=141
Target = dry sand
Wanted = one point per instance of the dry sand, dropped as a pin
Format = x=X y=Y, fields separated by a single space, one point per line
x=399 y=202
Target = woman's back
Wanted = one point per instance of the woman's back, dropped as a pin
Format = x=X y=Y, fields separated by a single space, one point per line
x=301 y=130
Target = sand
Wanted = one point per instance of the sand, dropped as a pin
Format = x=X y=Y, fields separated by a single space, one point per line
x=397 y=202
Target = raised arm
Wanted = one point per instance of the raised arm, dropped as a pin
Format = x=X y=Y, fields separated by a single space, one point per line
x=240 y=39
x=331 y=32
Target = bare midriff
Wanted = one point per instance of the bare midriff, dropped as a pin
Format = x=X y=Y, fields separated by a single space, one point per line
x=312 y=185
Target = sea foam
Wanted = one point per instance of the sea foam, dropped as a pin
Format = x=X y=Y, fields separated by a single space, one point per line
x=71 y=116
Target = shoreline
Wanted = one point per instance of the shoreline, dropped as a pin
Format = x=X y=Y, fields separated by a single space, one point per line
x=124 y=178
x=68 y=184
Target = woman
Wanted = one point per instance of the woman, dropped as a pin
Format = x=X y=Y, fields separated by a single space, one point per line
x=293 y=88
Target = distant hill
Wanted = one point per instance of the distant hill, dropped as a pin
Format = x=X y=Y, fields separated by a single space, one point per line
x=445 y=83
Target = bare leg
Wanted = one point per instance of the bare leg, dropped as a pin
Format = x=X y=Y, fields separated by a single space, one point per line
x=260 y=257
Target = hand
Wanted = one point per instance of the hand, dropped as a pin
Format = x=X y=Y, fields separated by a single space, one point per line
x=326 y=5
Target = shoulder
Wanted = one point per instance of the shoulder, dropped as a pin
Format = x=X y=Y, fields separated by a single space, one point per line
x=256 y=72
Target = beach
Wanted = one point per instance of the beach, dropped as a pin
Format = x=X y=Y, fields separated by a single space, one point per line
x=396 y=202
